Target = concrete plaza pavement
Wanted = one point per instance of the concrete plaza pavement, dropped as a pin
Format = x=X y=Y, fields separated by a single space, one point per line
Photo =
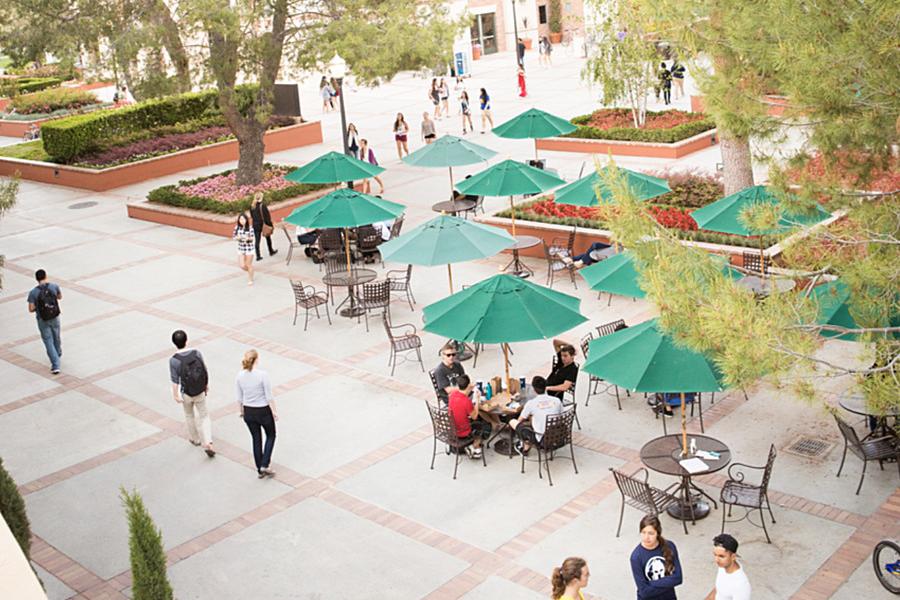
x=354 y=509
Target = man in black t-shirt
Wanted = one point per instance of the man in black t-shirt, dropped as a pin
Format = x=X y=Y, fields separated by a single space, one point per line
x=447 y=371
x=563 y=376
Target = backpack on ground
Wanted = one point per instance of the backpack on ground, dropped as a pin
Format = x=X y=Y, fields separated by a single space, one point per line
x=193 y=375
x=47 y=303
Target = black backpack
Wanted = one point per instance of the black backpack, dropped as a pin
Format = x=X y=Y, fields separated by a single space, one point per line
x=47 y=303
x=193 y=375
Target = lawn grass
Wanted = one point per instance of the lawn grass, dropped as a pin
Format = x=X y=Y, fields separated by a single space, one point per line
x=33 y=150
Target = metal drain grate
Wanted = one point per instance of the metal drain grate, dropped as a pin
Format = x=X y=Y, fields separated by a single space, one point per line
x=79 y=205
x=809 y=447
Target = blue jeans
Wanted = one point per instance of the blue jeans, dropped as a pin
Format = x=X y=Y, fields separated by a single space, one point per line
x=52 y=342
x=586 y=257
x=259 y=419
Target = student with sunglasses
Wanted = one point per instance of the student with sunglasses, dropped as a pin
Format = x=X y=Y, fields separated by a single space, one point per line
x=447 y=372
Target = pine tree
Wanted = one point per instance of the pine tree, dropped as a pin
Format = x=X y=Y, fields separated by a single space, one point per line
x=8 y=190
x=148 y=558
x=12 y=508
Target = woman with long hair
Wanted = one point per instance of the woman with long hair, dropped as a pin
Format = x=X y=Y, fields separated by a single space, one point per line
x=254 y=396
x=569 y=579
x=434 y=94
x=401 y=131
x=486 y=116
x=444 y=91
x=262 y=224
x=353 y=141
x=654 y=563
x=466 y=110
x=243 y=233
x=366 y=154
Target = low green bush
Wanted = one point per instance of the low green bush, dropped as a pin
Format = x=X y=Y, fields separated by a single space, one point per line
x=25 y=85
x=630 y=134
x=67 y=138
x=49 y=100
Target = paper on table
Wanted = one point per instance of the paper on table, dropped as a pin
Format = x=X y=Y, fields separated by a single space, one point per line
x=708 y=454
x=693 y=465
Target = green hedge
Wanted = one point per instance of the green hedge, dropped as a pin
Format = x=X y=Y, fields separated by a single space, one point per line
x=169 y=194
x=631 y=134
x=65 y=139
x=24 y=85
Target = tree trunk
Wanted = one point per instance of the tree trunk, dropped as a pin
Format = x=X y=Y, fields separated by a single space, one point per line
x=171 y=40
x=736 y=159
x=252 y=155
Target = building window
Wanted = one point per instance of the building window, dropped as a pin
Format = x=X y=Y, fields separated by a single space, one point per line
x=542 y=14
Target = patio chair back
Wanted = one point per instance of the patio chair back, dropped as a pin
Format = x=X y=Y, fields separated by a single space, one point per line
x=611 y=327
x=756 y=262
x=851 y=438
x=639 y=494
x=558 y=431
x=444 y=427
x=585 y=344
x=376 y=295
x=767 y=473
x=335 y=263
x=292 y=242
x=434 y=384
x=396 y=226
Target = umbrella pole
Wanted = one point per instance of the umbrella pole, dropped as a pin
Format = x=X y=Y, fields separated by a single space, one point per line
x=450 y=277
x=347 y=247
x=535 y=150
x=506 y=363
x=451 y=182
x=512 y=214
x=684 y=446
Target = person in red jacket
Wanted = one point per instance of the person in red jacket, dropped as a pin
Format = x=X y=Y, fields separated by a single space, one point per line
x=522 y=91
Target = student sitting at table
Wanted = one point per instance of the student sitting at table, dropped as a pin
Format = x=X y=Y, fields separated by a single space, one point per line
x=465 y=416
x=447 y=371
x=532 y=423
x=565 y=372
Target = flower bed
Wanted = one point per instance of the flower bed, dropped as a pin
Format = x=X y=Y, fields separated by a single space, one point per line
x=48 y=101
x=661 y=127
x=850 y=173
x=219 y=194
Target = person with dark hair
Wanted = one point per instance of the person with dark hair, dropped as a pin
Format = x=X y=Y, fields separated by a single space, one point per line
x=190 y=384
x=485 y=102
x=520 y=53
x=569 y=579
x=665 y=83
x=401 y=131
x=466 y=111
x=564 y=373
x=434 y=94
x=678 y=72
x=43 y=301
x=654 y=563
x=465 y=416
x=532 y=422
x=243 y=233
x=731 y=580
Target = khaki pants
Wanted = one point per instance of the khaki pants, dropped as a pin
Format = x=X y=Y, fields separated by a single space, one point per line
x=195 y=412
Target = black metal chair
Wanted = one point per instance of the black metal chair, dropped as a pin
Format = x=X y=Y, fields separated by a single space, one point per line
x=292 y=242
x=738 y=492
x=641 y=495
x=445 y=431
x=568 y=399
x=563 y=246
x=557 y=435
x=437 y=390
x=611 y=327
x=400 y=282
x=396 y=226
x=307 y=297
x=604 y=330
x=367 y=241
x=879 y=449
x=556 y=263
x=756 y=262
x=330 y=243
x=403 y=338
x=375 y=296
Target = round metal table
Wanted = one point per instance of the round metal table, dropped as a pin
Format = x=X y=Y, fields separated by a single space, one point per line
x=855 y=403
x=765 y=286
x=452 y=207
x=351 y=280
x=663 y=454
x=516 y=266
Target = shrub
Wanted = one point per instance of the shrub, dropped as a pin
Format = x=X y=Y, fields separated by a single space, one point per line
x=24 y=85
x=690 y=189
x=67 y=138
x=47 y=101
x=12 y=509
x=61 y=71
x=145 y=546
x=691 y=125
x=217 y=193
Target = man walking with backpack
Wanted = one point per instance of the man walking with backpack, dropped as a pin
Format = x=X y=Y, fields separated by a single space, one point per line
x=43 y=300
x=190 y=383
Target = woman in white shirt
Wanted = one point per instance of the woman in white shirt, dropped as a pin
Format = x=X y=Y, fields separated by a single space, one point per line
x=254 y=396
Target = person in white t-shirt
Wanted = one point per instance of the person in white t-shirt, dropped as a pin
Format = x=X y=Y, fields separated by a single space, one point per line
x=731 y=580
x=532 y=422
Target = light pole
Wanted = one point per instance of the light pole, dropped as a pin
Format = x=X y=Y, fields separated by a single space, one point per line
x=519 y=61
x=338 y=68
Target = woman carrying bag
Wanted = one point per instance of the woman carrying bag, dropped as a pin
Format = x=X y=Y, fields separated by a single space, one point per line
x=262 y=224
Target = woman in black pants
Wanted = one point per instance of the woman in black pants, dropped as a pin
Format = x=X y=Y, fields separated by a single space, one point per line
x=254 y=395
x=262 y=224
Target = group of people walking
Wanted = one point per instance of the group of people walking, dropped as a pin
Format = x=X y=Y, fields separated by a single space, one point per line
x=656 y=569
x=253 y=392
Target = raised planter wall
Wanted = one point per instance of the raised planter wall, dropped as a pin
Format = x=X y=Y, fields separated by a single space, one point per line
x=294 y=136
x=18 y=128
x=204 y=222
x=698 y=142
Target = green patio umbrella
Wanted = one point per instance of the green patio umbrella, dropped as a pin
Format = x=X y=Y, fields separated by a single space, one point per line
x=584 y=191
x=446 y=239
x=617 y=275
x=833 y=301
x=535 y=124
x=449 y=151
x=344 y=208
x=509 y=178
x=334 y=167
x=723 y=215
x=644 y=359
x=502 y=309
